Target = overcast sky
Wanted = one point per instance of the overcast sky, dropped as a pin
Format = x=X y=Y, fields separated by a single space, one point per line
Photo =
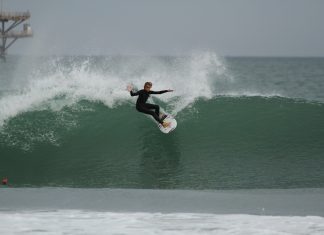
x=168 y=27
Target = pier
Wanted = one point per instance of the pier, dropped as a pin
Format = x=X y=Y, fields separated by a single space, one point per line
x=9 y=21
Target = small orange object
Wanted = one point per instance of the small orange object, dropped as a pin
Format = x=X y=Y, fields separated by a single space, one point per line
x=5 y=181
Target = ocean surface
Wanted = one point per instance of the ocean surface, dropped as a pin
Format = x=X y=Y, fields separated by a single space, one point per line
x=69 y=128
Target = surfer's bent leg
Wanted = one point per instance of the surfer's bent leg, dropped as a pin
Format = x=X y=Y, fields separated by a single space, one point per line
x=145 y=110
x=153 y=106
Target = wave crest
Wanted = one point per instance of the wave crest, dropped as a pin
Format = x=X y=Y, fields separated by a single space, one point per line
x=54 y=83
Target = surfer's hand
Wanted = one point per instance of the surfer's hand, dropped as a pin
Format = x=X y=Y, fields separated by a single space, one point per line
x=129 y=87
x=170 y=90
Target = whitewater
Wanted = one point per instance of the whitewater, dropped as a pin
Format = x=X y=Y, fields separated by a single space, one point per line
x=129 y=211
x=57 y=82
x=82 y=222
x=60 y=82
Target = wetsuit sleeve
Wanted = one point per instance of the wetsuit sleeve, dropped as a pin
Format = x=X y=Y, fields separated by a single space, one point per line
x=158 y=92
x=134 y=93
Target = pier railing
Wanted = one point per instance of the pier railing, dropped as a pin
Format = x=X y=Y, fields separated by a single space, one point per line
x=14 y=15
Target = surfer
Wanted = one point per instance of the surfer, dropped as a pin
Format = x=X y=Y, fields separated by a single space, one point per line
x=146 y=108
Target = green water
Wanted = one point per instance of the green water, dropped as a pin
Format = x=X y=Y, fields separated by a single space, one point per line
x=74 y=131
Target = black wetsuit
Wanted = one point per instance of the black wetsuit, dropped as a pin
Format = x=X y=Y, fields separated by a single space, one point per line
x=144 y=107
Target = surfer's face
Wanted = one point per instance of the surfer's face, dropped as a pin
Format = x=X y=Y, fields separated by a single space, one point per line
x=147 y=87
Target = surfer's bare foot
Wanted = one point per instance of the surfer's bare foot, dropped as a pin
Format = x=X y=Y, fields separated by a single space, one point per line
x=166 y=124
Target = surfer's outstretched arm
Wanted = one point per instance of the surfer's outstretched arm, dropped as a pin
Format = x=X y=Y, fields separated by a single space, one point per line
x=159 y=92
x=132 y=93
x=130 y=89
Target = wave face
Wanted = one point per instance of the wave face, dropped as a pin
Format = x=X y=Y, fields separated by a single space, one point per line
x=242 y=122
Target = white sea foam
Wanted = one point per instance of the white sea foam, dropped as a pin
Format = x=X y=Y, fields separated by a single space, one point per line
x=57 y=83
x=91 y=222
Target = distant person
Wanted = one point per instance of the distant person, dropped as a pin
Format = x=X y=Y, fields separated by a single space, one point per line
x=147 y=108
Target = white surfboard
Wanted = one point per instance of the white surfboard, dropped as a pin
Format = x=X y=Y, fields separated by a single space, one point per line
x=171 y=127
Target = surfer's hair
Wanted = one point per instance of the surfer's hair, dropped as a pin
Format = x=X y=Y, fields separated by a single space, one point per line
x=148 y=84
